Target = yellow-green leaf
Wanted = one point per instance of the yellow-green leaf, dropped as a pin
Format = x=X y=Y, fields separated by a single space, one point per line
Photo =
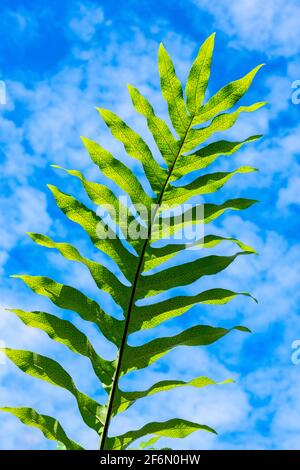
x=50 y=427
x=184 y=274
x=175 y=428
x=124 y=400
x=172 y=91
x=199 y=75
x=69 y=298
x=44 y=368
x=66 y=333
x=138 y=357
x=166 y=143
x=149 y=316
x=136 y=147
x=227 y=97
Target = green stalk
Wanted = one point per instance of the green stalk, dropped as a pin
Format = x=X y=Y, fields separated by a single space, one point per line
x=132 y=298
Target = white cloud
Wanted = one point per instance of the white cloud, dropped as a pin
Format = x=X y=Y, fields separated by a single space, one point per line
x=25 y=211
x=290 y=194
x=279 y=97
x=271 y=27
x=20 y=23
x=84 y=24
x=272 y=277
x=200 y=404
x=275 y=156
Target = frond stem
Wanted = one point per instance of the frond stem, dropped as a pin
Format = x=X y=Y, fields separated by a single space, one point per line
x=132 y=297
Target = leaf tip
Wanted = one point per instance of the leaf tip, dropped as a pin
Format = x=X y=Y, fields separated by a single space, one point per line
x=100 y=110
x=263 y=103
x=161 y=48
x=9 y=309
x=243 y=328
x=258 y=67
x=229 y=381
x=104 y=113
x=31 y=234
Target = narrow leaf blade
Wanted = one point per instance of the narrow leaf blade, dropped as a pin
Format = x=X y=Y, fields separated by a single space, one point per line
x=50 y=427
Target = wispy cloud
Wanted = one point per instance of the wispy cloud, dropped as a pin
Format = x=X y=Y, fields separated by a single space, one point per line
x=86 y=21
x=273 y=30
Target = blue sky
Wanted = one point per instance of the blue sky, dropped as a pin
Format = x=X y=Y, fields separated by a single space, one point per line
x=58 y=64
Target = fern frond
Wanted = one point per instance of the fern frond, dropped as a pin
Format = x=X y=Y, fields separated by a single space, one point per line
x=136 y=269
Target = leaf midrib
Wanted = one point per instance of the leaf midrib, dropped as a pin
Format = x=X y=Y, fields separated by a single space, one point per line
x=133 y=292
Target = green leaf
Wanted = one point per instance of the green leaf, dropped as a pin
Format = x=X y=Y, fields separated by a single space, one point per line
x=227 y=97
x=184 y=274
x=196 y=215
x=172 y=92
x=156 y=256
x=50 y=427
x=69 y=298
x=175 y=428
x=94 y=227
x=104 y=279
x=124 y=400
x=222 y=122
x=205 y=156
x=166 y=143
x=150 y=442
x=136 y=147
x=149 y=316
x=138 y=357
x=104 y=197
x=205 y=184
x=119 y=173
x=44 y=368
x=199 y=75
x=139 y=259
x=66 y=333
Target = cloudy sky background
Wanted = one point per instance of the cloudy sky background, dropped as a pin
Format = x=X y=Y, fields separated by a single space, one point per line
x=58 y=64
